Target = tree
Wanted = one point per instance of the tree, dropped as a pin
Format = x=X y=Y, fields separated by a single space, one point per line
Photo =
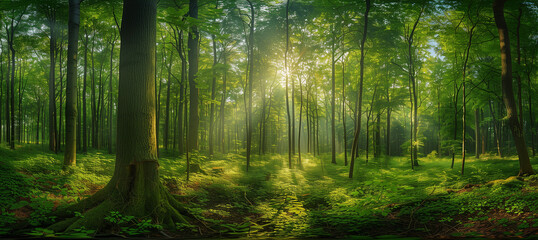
x=359 y=95
x=70 y=156
x=135 y=187
x=525 y=167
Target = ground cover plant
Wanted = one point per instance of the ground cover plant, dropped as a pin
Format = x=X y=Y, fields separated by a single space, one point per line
x=387 y=199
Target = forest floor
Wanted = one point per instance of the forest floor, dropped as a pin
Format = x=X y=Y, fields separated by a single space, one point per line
x=386 y=199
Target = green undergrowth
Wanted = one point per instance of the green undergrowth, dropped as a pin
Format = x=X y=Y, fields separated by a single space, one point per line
x=314 y=199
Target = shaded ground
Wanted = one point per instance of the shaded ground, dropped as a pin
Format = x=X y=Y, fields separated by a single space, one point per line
x=385 y=200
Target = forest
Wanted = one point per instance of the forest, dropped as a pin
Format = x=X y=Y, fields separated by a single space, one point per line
x=352 y=119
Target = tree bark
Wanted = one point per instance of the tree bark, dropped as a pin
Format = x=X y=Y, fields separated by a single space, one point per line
x=70 y=156
x=525 y=167
x=287 y=88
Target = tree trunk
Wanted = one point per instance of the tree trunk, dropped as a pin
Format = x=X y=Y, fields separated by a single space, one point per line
x=194 y=38
x=93 y=99
x=299 y=162
x=518 y=75
x=477 y=133
x=333 y=97
x=525 y=167
x=213 y=92
x=413 y=91
x=464 y=109
x=167 y=110
x=222 y=107
x=60 y=133
x=8 y=125
x=343 y=111
x=1 y=87
x=250 y=82
x=531 y=115
x=70 y=156
x=287 y=76
x=135 y=186
x=354 y=148
x=84 y=117
x=52 y=89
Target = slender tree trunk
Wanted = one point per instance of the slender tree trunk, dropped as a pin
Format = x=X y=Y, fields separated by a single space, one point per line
x=60 y=122
x=52 y=89
x=93 y=99
x=333 y=97
x=213 y=92
x=531 y=115
x=194 y=38
x=168 y=96
x=287 y=76
x=343 y=111
x=355 y=145
x=518 y=75
x=525 y=167
x=8 y=124
x=84 y=117
x=38 y=119
x=1 y=87
x=477 y=133
x=222 y=107
x=70 y=156
x=299 y=161
x=250 y=82
x=464 y=100
x=496 y=130
x=414 y=101
x=110 y=96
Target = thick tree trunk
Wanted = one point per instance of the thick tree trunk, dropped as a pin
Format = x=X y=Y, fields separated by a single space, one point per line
x=525 y=167
x=70 y=156
x=135 y=187
x=355 y=145
x=194 y=37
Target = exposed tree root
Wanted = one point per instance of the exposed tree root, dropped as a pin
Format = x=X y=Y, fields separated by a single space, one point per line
x=159 y=205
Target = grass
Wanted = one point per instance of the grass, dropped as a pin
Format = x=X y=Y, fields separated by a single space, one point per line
x=386 y=199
